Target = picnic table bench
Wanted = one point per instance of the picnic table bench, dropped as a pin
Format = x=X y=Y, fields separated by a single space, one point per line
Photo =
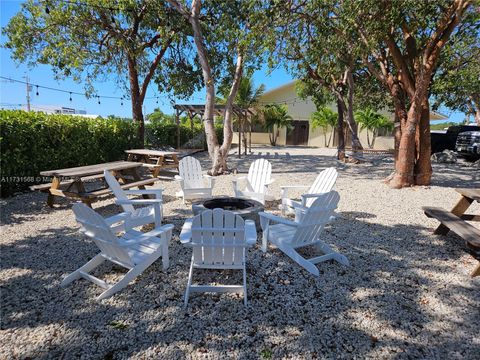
x=456 y=221
x=70 y=183
x=156 y=160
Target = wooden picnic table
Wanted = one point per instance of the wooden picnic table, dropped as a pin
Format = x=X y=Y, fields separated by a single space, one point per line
x=70 y=182
x=156 y=160
x=456 y=221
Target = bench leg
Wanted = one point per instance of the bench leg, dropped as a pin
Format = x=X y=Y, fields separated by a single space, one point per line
x=459 y=209
x=50 y=200
x=476 y=271
x=55 y=186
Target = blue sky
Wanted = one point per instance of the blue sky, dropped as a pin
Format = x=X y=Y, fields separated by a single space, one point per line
x=14 y=94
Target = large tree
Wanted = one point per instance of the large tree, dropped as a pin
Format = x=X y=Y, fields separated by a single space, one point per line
x=226 y=36
x=403 y=40
x=457 y=82
x=321 y=51
x=94 y=39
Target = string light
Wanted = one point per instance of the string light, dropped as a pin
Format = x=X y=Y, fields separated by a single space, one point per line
x=98 y=100
x=70 y=97
x=37 y=90
x=121 y=101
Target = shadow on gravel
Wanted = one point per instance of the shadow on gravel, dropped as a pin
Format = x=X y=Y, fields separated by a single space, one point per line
x=377 y=307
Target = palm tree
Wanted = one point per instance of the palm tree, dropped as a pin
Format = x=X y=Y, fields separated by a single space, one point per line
x=276 y=117
x=325 y=118
x=372 y=122
x=248 y=97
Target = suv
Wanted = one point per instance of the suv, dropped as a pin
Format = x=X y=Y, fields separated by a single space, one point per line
x=468 y=144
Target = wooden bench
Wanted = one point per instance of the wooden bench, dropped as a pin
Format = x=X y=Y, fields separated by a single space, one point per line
x=466 y=231
x=106 y=191
x=46 y=187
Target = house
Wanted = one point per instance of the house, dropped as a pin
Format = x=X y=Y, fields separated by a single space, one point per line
x=303 y=133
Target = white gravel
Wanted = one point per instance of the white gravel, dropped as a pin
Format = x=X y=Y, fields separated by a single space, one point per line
x=407 y=294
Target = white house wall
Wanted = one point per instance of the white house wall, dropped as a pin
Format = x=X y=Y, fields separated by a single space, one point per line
x=302 y=109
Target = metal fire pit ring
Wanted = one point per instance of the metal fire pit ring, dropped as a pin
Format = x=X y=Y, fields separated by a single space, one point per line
x=248 y=209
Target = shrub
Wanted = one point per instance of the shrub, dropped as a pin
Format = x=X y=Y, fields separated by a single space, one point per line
x=33 y=142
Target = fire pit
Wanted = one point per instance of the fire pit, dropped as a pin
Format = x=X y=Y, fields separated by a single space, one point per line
x=246 y=208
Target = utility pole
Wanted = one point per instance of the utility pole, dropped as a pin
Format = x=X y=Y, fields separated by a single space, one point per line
x=27 y=80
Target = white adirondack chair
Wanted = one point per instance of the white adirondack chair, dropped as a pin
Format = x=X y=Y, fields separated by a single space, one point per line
x=219 y=239
x=256 y=182
x=323 y=183
x=152 y=213
x=134 y=250
x=192 y=181
x=290 y=235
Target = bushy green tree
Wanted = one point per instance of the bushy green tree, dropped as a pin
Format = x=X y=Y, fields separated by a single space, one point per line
x=131 y=41
x=275 y=117
x=372 y=122
x=326 y=119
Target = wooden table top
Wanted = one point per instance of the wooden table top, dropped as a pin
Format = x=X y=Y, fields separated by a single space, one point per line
x=82 y=171
x=150 y=152
x=470 y=193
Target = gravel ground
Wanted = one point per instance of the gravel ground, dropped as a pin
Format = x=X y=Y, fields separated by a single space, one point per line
x=407 y=294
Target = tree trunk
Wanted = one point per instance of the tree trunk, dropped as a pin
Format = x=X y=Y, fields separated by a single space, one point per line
x=423 y=166
x=341 y=136
x=400 y=115
x=356 y=145
x=137 y=112
x=211 y=137
x=239 y=141
x=475 y=102
x=220 y=160
x=405 y=165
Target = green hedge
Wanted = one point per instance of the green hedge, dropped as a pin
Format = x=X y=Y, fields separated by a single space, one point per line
x=32 y=142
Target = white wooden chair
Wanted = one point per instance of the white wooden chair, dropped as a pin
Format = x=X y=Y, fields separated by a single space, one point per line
x=152 y=213
x=192 y=182
x=290 y=235
x=134 y=250
x=256 y=182
x=323 y=183
x=219 y=239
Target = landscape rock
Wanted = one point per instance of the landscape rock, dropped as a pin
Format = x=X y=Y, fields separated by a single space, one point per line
x=445 y=157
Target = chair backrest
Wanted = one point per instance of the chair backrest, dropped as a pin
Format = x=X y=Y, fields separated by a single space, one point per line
x=323 y=183
x=117 y=190
x=259 y=175
x=218 y=238
x=315 y=218
x=95 y=227
x=190 y=170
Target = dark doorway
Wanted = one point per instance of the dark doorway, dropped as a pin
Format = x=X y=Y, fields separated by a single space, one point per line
x=298 y=135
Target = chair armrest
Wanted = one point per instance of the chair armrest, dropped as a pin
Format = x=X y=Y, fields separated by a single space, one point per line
x=117 y=218
x=186 y=234
x=178 y=178
x=156 y=192
x=270 y=182
x=250 y=232
x=210 y=180
x=277 y=219
x=139 y=201
x=239 y=178
x=147 y=236
x=307 y=196
x=294 y=186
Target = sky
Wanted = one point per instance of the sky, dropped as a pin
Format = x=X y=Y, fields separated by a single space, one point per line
x=13 y=95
